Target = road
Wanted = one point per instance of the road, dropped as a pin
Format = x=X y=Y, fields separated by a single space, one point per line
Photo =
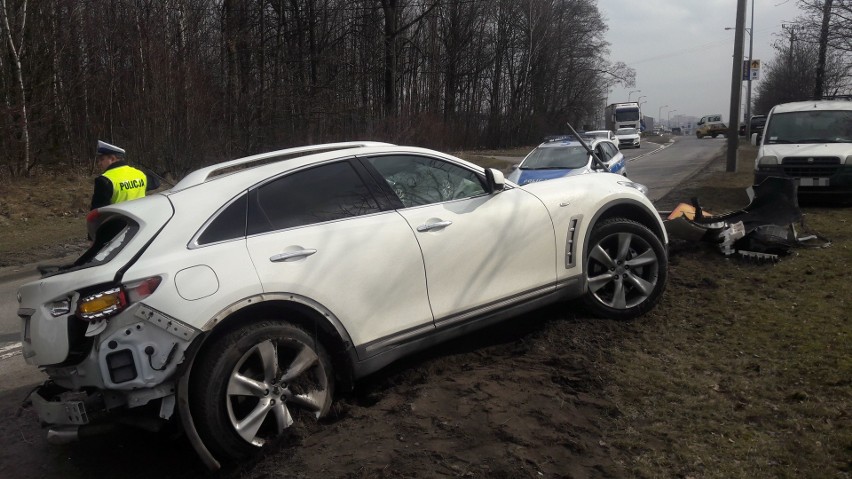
x=22 y=442
x=662 y=167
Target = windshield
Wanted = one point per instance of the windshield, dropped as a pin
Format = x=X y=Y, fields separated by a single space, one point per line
x=626 y=131
x=556 y=158
x=627 y=114
x=810 y=127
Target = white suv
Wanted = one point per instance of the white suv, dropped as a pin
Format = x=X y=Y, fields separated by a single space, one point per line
x=810 y=141
x=248 y=292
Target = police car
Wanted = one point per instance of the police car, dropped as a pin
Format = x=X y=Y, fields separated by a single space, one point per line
x=566 y=156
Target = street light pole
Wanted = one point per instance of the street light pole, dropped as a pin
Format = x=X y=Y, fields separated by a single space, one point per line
x=736 y=87
x=748 y=93
x=632 y=92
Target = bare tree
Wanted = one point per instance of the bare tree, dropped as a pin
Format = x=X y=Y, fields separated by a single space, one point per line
x=17 y=51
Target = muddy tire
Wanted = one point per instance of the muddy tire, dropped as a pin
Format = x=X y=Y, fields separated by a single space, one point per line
x=249 y=385
x=626 y=269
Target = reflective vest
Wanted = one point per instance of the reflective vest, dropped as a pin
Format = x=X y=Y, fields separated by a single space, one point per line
x=128 y=183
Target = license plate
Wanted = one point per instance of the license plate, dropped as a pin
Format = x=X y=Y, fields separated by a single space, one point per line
x=813 y=181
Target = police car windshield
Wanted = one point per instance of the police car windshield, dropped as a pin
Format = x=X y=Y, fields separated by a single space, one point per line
x=556 y=157
x=810 y=127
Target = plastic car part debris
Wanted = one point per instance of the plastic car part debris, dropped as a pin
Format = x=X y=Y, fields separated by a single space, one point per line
x=766 y=226
x=729 y=237
x=755 y=257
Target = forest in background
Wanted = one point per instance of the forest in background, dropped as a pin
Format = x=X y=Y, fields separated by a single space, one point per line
x=183 y=83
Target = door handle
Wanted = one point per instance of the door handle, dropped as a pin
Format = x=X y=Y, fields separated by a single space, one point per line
x=433 y=226
x=291 y=255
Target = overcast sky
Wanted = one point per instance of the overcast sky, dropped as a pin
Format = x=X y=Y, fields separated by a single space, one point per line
x=682 y=53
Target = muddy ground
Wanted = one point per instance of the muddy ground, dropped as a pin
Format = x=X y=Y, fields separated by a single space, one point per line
x=519 y=400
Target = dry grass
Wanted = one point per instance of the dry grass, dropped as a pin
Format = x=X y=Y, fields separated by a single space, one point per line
x=43 y=216
x=744 y=370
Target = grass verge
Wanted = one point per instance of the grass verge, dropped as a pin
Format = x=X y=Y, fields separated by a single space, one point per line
x=744 y=370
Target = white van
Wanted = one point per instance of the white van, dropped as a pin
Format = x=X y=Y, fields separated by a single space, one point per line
x=810 y=141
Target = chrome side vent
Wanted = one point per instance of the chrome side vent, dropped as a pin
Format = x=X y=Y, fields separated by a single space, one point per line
x=571 y=243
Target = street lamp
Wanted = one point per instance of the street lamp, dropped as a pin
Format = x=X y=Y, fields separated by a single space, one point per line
x=660 y=114
x=639 y=100
x=632 y=92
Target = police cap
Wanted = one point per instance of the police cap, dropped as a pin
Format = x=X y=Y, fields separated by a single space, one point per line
x=105 y=148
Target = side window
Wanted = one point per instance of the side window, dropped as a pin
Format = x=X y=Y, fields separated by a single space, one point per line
x=421 y=180
x=229 y=224
x=603 y=152
x=611 y=149
x=324 y=193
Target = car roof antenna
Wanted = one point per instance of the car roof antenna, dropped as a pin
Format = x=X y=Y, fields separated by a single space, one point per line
x=587 y=147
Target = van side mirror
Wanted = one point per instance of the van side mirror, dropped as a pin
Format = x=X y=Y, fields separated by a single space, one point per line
x=753 y=139
x=494 y=179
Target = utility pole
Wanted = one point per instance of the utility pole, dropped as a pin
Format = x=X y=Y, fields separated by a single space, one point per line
x=736 y=88
x=748 y=92
x=823 y=43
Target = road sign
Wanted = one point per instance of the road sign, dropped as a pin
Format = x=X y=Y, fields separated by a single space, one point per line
x=751 y=70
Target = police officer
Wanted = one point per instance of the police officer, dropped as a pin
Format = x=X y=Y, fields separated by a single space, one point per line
x=118 y=181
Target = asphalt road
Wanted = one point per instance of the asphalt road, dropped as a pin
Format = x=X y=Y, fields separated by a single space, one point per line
x=660 y=167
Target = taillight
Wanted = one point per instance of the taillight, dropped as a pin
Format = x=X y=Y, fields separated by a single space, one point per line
x=93 y=216
x=105 y=304
x=101 y=305
x=140 y=290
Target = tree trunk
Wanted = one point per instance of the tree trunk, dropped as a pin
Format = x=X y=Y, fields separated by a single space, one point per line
x=823 y=44
x=16 y=51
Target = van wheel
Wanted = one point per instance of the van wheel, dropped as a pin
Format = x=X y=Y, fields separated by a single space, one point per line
x=250 y=384
x=626 y=269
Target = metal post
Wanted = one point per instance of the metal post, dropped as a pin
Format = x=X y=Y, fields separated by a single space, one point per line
x=736 y=87
x=748 y=92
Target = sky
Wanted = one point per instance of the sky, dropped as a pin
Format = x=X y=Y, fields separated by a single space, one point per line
x=682 y=53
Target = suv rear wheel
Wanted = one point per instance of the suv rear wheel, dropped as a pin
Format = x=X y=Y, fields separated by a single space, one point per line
x=250 y=384
x=626 y=269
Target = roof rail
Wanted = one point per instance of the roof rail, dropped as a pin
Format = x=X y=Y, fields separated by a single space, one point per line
x=200 y=176
x=837 y=97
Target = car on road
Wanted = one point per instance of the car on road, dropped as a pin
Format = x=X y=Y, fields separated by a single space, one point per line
x=566 y=156
x=605 y=134
x=242 y=298
x=710 y=125
x=628 y=137
x=757 y=123
x=810 y=141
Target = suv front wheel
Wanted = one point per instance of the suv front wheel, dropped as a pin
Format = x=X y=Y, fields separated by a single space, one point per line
x=626 y=267
x=250 y=384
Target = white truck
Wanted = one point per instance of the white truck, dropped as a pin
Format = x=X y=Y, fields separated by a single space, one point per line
x=623 y=115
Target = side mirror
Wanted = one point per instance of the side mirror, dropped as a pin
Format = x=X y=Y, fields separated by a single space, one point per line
x=495 y=180
x=753 y=139
x=516 y=166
